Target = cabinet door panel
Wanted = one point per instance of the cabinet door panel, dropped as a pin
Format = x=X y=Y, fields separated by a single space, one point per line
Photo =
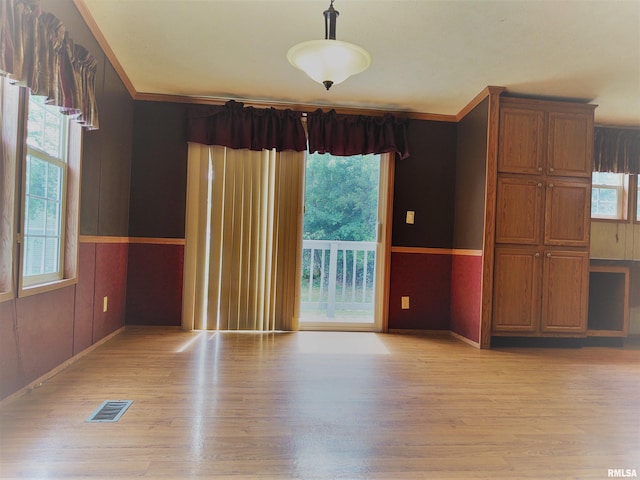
x=516 y=290
x=570 y=145
x=519 y=210
x=567 y=213
x=565 y=294
x=521 y=141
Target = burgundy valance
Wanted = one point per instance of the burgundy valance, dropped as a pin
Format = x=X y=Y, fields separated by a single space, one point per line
x=37 y=52
x=236 y=126
x=346 y=135
x=616 y=150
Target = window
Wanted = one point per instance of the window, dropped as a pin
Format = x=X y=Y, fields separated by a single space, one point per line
x=40 y=183
x=609 y=195
x=637 y=198
x=45 y=175
x=9 y=100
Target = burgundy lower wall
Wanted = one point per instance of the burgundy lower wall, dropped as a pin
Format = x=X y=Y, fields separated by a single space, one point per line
x=466 y=299
x=11 y=376
x=36 y=335
x=45 y=331
x=85 y=293
x=111 y=281
x=426 y=279
x=154 y=284
x=40 y=332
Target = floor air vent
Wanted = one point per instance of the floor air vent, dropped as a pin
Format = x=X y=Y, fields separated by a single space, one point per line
x=110 y=411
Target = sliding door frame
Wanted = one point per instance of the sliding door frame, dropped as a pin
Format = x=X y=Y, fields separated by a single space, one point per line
x=383 y=258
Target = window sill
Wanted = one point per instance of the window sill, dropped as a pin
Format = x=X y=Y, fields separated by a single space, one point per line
x=610 y=220
x=6 y=296
x=46 y=287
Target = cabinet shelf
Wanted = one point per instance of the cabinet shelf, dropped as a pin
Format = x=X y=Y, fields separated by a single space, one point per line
x=608 y=314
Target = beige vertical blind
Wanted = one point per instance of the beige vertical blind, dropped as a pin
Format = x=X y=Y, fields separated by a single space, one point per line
x=243 y=238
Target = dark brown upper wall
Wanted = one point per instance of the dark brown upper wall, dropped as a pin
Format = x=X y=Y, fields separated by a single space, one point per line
x=471 y=178
x=159 y=170
x=424 y=183
x=116 y=130
x=106 y=153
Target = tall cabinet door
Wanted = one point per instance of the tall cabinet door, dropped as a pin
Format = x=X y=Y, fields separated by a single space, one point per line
x=516 y=290
x=519 y=210
x=542 y=218
x=567 y=212
x=565 y=293
x=570 y=144
x=521 y=141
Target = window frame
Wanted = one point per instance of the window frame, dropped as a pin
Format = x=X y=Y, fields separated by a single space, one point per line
x=624 y=199
x=62 y=163
x=634 y=186
x=13 y=162
x=10 y=106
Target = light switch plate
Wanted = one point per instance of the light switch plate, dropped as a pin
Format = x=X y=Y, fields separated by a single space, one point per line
x=405 y=303
x=410 y=216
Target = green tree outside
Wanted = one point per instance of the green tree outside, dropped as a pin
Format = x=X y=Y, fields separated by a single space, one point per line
x=341 y=197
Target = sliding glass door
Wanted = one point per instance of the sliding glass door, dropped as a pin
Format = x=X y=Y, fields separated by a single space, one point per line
x=344 y=238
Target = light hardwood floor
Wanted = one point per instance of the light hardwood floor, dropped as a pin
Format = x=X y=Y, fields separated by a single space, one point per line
x=328 y=405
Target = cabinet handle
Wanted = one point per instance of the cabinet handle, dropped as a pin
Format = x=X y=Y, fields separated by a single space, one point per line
x=539 y=185
x=539 y=169
x=537 y=254
x=549 y=255
x=551 y=169
x=551 y=185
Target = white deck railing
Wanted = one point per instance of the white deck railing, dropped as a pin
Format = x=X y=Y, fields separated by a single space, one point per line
x=337 y=275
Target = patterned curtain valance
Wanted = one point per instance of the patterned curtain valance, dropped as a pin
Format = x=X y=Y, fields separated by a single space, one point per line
x=346 y=135
x=616 y=150
x=235 y=126
x=37 y=52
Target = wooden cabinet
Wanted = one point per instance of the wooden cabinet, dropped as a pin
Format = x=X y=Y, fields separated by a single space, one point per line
x=517 y=277
x=567 y=215
x=520 y=212
x=569 y=144
x=542 y=218
x=521 y=139
x=565 y=292
x=545 y=138
x=533 y=209
x=540 y=292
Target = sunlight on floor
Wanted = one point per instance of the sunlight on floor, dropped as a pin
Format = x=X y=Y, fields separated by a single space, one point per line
x=196 y=335
x=341 y=343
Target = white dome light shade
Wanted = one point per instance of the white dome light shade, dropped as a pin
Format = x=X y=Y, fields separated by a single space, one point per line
x=329 y=61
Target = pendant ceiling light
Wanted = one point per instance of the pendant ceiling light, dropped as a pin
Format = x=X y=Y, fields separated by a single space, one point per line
x=329 y=61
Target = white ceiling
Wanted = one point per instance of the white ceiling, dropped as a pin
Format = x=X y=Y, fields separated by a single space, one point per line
x=429 y=56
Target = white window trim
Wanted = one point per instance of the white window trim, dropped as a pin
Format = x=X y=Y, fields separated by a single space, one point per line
x=46 y=278
x=636 y=199
x=623 y=200
x=71 y=208
x=10 y=127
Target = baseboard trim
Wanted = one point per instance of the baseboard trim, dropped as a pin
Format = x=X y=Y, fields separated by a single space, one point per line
x=449 y=333
x=464 y=339
x=417 y=331
x=438 y=251
x=38 y=382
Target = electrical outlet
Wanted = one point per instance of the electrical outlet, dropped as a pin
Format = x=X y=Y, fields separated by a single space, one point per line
x=411 y=215
x=104 y=304
x=405 y=303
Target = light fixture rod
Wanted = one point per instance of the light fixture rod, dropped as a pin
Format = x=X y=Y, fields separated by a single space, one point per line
x=330 y=17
